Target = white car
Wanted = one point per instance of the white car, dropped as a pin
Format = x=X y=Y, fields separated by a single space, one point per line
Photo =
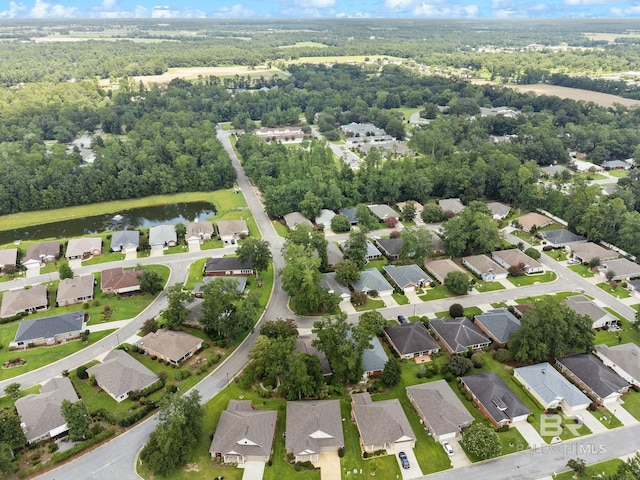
x=447 y=448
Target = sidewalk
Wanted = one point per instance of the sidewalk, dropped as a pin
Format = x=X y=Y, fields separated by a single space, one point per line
x=530 y=434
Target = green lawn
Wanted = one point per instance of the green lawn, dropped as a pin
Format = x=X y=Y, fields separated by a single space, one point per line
x=563 y=295
x=401 y=299
x=609 y=467
x=469 y=312
x=559 y=255
x=196 y=273
x=488 y=286
x=631 y=401
x=377 y=263
x=582 y=270
x=526 y=280
x=280 y=228
x=619 y=292
x=8 y=402
x=628 y=334
x=370 y=304
x=436 y=293
x=606 y=417
x=618 y=173
x=526 y=237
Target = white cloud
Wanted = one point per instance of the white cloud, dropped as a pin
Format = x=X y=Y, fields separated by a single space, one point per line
x=500 y=4
x=311 y=4
x=400 y=5
x=445 y=11
x=539 y=7
x=589 y=2
x=13 y=11
x=236 y=11
x=632 y=11
x=42 y=9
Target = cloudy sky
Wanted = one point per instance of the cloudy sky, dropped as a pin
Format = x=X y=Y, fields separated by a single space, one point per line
x=319 y=8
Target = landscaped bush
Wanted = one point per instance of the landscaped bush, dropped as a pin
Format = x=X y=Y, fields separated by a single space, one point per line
x=62 y=456
x=81 y=372
x=138 y=414
x=103 y=414
x=154 y=387
x=183 y=374
x=502 y=355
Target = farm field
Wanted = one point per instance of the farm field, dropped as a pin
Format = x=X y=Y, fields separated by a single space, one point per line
x=195 y=72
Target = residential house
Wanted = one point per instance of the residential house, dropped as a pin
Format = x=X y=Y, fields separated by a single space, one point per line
x=334 y=254
x=417 y=205
x=325 y=218
x=495 y=400
x=8 y=259
x=230 y=231
x=598 y=381
x=371 y=280
x=441 y=268
x=240 y=282
x=610 y=189
x=83 y=248
x=634 y=287
x=516 y=258
x=313 y=427
x=163 y=236
x=383 y=212
x=499 y=210
x=407 y=277
x=304 y=344
x=227 y=266
x=374 y=359
x=169 y=345
x=372 y=252
x=440 y=409
x=294 y=218
x=125 y=241
x=411 y=340
x=119 y=374
x=382 y=425
x=587 y=251
x=331 y=283
x=498 y=325
x=198 y=232
x=40 y=253
x=364 y=132
x=623 y=359
x=49 y=330
x=390 y=247
x=582 y=166
x=75 y=290
x=451 y=205
x=120 y=281
x=41 y=414
x=283 y=134
x=350 y=213
x=244 y=434
x=615 y=165
x=550 y=388
x=485 y=268
x=28 y=300
x=533 y=221
x=561 y=238
x=552 y=170
x=622 y=268
x=582 y=305
x=458 y=335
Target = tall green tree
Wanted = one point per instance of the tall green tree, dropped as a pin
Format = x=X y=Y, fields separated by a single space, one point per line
x=457 y=282
x=306 y=236
x=347 y=272
x=256 y=251
x=303 y=377
x=65 y=271
x=176 y=311
x=7 y=464
x=150 y=282
x=392 y=372
x=355 y=249
x=481 y=440
x=416 y=244
x=78 y=420
x=367 y=221
x=11 y=433
x=279 y=328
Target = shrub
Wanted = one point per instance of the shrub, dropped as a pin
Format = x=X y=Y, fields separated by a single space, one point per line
x=81 y=372
x=456 y=310
x=183 y=374
x=502 y=355
x=449 y=377
x=62 y=456
x=478 y=360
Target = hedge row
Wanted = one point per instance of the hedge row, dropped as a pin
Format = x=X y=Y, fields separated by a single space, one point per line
x=137 y=415
x=62 y=456
x=154 y=387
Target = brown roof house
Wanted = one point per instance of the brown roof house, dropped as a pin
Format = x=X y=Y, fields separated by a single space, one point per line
x=485 y=268
x=623 y=359
x=40 y=253
x=199 y=232
x=41 y=414
x=496 y=401
x=8 y=258
x=170 y=345
x=440 y=409
x=622 y=268
x=515 y=258
x=382 y=425
x=533 y=220
x=593 y=377
x=24 y=300
x=313 y=427
x=584 y=306
x=244 y=434
x=49 y=330
x=81 y=248
x=458 y=335
x=294 y=218
x=587 y=251
x=119 y=374
x=411 y=340
x=75 y=290
x=118 y=280
x=441 y=268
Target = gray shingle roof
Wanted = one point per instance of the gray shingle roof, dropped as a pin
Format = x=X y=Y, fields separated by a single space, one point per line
x=499 y=209
x=313 y=425
x=391 y=246
x=125 y=239
x=372 y=279
x=304 y=345
x=41 y=412
x=73 y=288
x=622 y=267
x=411 y=338
x=49 y=327
x=550 y=385
x=498 y=399
x=440 y=406
x=42 y=250
x=588 y=251
x=381 y=422
x=78 y=247
x=331 y=283
x=514 y=257
x=562 y=237
x=244 y=430
x=199 y=230
x=14 y=301
x=162 y=234
x=232 y=227
x=241 y=283
x=374 y=359
x=226 y=264
x=294 y=218
x=8 y=256
x=593 y=373
x=350 y=213
x=383 y=211
x=625 y=356
x=119 y=373
x=500 y=323
x=451 y=205
x=325 y=217
x=334 y=254
x=407 y=275
x=584 y=306
x=459 y=334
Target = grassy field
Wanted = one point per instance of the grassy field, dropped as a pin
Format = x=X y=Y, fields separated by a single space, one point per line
x=401 y=299
x=305 y=45
x=526 y=280
x=619 y=292
x=436 y=293
x=345 y=59
x=582 y=270
x=558 y=255
x=469 y=312
x=370 y=304
x=488 y=286
x=606 y=418
x=632 y=403
x=609 y=467
x=628 y=334
x=280 y=228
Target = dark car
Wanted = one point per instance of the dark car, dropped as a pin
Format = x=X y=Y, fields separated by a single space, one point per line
x=402 y=319
x=404 y=460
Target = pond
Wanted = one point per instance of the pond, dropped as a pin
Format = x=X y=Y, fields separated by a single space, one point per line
x=138 y=217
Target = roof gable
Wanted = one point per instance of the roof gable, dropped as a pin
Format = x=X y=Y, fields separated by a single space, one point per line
x=459 y=334
x=411 y=338
x=498 y=399
x=49 y=327
x=593 y=373
x=119 y=373
x=551 y=385
x=381 y=422
x=312 y=425
x=500 y=323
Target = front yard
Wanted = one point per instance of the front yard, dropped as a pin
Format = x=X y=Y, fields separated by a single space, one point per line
x=618 y=292
x=526 y=280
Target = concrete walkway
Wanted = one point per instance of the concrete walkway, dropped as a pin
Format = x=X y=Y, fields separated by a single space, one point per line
x=348 y=308
x=459 y=458
x=413 y=297
x=592 y=422
x=194 y=247
x=530 y=434
x=329 y=464
x=253 y=471
x=623 y=415
x=389 y=301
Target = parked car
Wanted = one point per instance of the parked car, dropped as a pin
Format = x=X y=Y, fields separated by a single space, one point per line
x=447 y=448
x=404 y=460
x=573 y=261
x=402 y=319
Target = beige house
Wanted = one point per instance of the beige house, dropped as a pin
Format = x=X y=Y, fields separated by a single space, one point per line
x=8 y=258
x=169 y=345
x=230 y=231
x=82 y=248
x=623 y=359
x=75 y=290
x=515 y=258
x=199 y=232
x=585 y=252
x=119 y=374
x=441 y=268
x=40 y=253
x=28 y=300
x=533 y=220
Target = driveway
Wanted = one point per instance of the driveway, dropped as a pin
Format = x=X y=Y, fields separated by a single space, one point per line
x=194 y=247
x=329 y=464
x=253 y=471
x=592 y=422
x=156 y=252
x=623 y=415
x=459 y=458
x=413 y=297
x=414 y=468
x=389 y=301
x=530 y=434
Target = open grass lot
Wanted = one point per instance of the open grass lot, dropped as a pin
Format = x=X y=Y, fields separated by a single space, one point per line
x=582 y=270
x=631 y=401
x=619 y=292
x=304 y=45
x=39 y=356
x=523 y=300
x=345 y=59
x=609 y=467
x=469 y=312
x=559 y=255
x=526 y=280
